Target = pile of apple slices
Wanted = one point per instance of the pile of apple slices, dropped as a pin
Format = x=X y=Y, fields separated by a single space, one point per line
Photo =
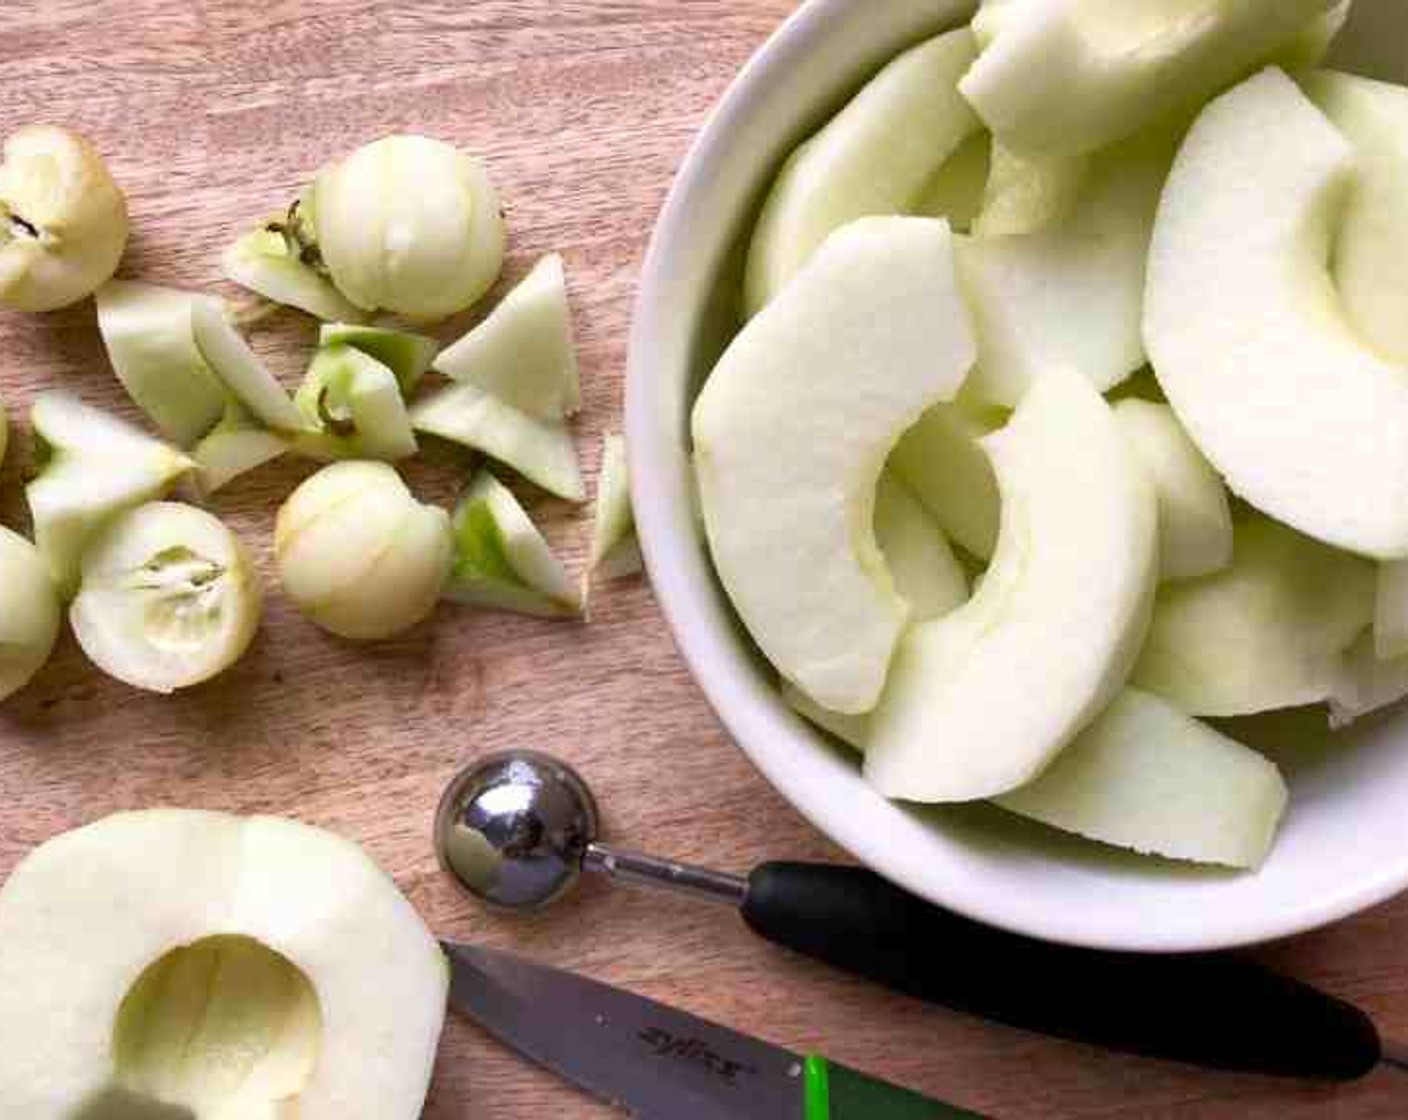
x=907 y=407
x=161 y=594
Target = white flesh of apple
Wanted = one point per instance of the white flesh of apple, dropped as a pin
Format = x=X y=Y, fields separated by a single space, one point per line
x=1063 y=77
x=168 y=598
x=943 y=463
x=926 y=573
x=615 y=552
x=29 y=612
x=502 y=561
x=237 y=445
x=1366 y=683
x=1142 y=775
x=540 y=450
x=99 y=467
x=1071 y=294
x=149 y=333
x=1027 y=194
x=240 y=368
x=1269 y=632
x=875 y=157
x=955 y=193
x=223 y=967
x=523 y=353
x=406 y=355
x=1195 y=518
x=1248 y=336
x=262 y=261
x=792 y=430
x=980 y=701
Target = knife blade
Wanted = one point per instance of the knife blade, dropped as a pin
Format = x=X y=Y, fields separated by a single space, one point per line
x=658 y=1062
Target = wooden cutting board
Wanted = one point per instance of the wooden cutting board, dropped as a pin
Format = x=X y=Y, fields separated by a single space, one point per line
x=212 y=114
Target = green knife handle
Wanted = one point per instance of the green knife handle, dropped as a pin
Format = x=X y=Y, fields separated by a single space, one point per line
x=837 y=1093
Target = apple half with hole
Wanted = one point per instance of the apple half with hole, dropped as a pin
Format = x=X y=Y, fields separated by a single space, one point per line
x=1249 y=336
x=1061 y=77
x=792 y=430
x=174 y=963
x=980 y=701
x=1268 y=632
x=877 y=156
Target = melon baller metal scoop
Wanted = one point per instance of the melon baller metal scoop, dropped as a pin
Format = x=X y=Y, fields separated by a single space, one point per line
x=517 y=829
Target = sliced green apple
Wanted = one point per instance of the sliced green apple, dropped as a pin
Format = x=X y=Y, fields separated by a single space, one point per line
x=1070 y=294
x=351 y=407
x=168 y=598
x=955 y=192
x=1195 y=518
x=181 y=963
x=236 y=446
x=1366 y=683
x=875 y=157
x=792 y=430
x=1269 y=632
x=502 y=561
x=615 y=552
x=149 y=332
x=406 y=355
x=980 y=701
x=239 y=367
x=1248 y=336
x=1025 y=194
x=540 y=450
x=1061 y=77
x=926 y=573
x=97 y=467
x=29 y=612
x=269 y=261
x=942 y=461
x=523 y=353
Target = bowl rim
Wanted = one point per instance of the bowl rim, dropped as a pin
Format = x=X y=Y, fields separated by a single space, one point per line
x=753 y=715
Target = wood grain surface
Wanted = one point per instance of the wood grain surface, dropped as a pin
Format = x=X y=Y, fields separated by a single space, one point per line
x=212 y=114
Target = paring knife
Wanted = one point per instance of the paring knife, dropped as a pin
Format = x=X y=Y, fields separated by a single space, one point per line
x=659 y=1063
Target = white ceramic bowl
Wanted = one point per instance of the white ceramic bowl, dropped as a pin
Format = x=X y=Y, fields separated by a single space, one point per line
x=1344 y=845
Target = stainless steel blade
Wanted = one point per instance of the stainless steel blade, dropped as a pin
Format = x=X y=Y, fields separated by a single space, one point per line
x=656 y=1062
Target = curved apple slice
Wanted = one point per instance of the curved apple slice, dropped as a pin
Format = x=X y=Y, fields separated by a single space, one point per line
x=236 y=446
x=980 y=701
x=191 y=963
x=1025 y=194
x=1071 y=76
x=1248 y=336
x=1195 y=518
x=875 y=157
x=792 y=430
x=955 y=193
x=926 y=573
x=1269 y=632
x=264 y=261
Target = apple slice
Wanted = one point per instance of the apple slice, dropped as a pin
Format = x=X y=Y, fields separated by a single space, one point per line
x=1248 y=336
x=942 y=461
x=1061 y=77
x=1366 y=683
x=523 y=353
x=925 y=571
x=240 y=368
x=187 y=963
x=97 y=467
x=1026 y=194
x=792 y=430
x=29 y=612
x=955 y=193
x=1142 y=776
x=980 y=701
x=540 y=450
x=236 y=446
x=1269 y=632
x=1313 y=42
x=149 y=332
x=1071 y=294
x=168 y=599
x=875 y=157
x=351 y=407
x=615 y=551
x=502 y=562
x=268 y=261
x=1195 y=518
x=406 y=355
